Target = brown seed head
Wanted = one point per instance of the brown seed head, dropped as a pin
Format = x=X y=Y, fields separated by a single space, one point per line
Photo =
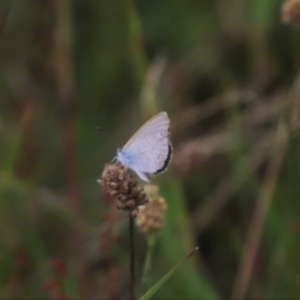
x=291 y=12
x=122 y=186
x=151 y=216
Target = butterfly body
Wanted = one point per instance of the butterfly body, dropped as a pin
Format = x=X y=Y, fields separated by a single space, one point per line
x=149 y=150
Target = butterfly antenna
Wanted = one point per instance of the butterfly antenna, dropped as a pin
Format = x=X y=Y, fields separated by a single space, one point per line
x=100 y=129
x=114 y=159
x=114 y=142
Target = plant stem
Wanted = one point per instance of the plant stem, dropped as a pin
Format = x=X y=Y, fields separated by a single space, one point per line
x=260 y=214
x=132 y=258
x=148 y=263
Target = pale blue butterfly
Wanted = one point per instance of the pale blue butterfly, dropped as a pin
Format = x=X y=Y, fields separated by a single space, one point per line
x=148 y=152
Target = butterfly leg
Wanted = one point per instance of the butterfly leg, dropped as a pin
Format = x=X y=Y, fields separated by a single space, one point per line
x=142 y=175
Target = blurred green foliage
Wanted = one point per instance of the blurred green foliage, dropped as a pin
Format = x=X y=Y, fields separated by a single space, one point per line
x=225 y=71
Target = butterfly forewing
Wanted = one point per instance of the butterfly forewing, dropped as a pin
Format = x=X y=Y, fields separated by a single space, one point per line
x=158 y=123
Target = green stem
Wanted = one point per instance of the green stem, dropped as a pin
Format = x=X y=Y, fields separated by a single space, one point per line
x=132 y=258
x=151 y=240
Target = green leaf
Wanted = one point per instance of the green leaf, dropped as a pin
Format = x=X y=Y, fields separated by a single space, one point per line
x=161 y=282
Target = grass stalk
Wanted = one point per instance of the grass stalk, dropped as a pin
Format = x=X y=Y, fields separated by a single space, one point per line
x=260 y=213
x=66 y=94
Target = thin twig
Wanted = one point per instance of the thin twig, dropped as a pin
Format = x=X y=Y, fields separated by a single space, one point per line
x=132 y=257
x=260 y=214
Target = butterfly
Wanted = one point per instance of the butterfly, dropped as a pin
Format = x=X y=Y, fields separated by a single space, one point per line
x=149 y=150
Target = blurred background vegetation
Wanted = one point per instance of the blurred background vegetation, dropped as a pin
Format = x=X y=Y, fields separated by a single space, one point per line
x=226 y=73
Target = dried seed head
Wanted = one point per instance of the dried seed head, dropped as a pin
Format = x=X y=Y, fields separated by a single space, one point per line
x=122 y=186
x=151 y=216
x=291 y=12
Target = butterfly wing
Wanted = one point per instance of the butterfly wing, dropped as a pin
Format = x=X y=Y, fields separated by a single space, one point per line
x=149 y=150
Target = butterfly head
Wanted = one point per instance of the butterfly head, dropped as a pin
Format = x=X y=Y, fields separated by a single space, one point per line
x=123 y=158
